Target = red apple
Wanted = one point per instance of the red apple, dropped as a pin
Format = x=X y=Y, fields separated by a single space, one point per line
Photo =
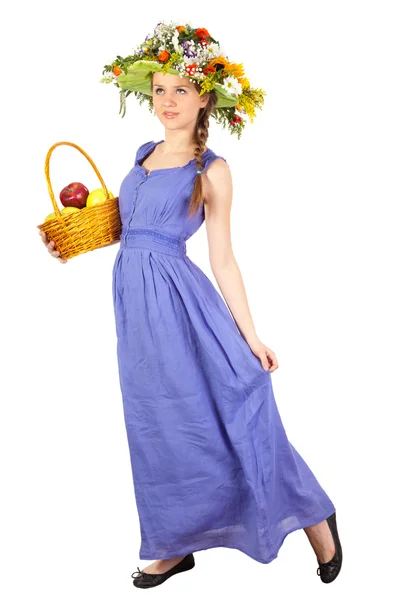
x=74 y=194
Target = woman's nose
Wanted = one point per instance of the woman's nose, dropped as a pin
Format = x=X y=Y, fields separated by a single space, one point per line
x=169 y=102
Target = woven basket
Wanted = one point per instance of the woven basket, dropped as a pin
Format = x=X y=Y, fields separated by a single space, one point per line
x=90 y=228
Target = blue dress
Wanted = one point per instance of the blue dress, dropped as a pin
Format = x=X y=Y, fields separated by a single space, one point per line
x=211 y=463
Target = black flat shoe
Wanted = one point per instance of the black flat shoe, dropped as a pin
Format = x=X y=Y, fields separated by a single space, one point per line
x=330 y=570
x=147 y=580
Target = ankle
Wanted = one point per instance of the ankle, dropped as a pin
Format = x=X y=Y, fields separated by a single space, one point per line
x=321 y=540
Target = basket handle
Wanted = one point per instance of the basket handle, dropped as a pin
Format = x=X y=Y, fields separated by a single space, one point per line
x=47 y=173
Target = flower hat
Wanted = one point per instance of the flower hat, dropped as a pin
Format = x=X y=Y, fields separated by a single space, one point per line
x=188 y=52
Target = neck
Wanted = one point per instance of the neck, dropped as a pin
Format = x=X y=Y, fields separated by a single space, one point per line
x=178 y=141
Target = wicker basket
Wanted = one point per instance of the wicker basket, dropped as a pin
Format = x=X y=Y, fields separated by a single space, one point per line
x=90 y=228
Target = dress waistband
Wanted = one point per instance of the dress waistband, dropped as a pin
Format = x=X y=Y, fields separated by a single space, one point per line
x=152 y=239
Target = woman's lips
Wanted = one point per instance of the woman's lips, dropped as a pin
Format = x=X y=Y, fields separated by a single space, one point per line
x=170 y=115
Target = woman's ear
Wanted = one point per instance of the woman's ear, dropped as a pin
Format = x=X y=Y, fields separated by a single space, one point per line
x=204 y=98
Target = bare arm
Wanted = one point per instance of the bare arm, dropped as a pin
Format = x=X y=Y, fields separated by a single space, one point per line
x=217 y=184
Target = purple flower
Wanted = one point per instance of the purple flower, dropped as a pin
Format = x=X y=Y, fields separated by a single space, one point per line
x=186 y=49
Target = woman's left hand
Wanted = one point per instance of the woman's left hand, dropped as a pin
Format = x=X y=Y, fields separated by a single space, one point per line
x=265 y=354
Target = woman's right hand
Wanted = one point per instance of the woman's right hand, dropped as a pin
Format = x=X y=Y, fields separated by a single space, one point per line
x=51 y=247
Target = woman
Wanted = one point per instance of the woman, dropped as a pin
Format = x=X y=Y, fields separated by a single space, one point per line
x=211 y=462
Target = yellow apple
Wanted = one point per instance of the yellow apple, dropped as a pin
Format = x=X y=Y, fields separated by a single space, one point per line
x=50 y=216
x=69 y=209
x=97 y=196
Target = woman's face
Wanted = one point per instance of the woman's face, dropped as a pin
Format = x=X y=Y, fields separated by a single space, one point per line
x=174 y=94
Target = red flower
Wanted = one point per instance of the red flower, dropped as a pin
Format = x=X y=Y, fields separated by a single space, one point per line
x=202 y=33
x=207 y=70
x=191 y=69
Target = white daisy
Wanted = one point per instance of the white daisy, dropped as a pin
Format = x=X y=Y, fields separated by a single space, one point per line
x=213 y=50
x=232 y=85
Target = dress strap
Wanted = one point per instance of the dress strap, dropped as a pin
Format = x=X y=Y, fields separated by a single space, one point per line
x=209 y=158
x=143 y=150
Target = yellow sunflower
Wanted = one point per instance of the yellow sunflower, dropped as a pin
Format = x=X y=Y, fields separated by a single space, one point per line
x=220 y=60
x=234 y=69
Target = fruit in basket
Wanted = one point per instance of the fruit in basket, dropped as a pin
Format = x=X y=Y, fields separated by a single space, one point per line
x=65 y=211
x=97 y=196
x=74 y=194
x=69 y=209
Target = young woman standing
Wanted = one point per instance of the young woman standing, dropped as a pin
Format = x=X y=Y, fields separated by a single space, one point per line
x=211 y=462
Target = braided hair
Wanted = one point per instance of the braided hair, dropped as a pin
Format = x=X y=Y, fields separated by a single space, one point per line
x=200 y=137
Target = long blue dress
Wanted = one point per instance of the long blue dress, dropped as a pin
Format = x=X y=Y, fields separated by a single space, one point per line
x=211 y=462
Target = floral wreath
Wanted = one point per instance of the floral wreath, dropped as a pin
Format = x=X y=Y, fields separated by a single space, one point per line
x=193 y=53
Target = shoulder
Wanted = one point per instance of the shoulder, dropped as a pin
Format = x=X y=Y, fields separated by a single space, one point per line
x=141 y=151
x=216 y=176
x=215 y=166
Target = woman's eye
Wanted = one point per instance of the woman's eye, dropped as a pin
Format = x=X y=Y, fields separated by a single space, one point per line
x=178 y=89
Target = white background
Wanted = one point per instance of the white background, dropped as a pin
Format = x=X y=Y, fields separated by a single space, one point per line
x=315 y=233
